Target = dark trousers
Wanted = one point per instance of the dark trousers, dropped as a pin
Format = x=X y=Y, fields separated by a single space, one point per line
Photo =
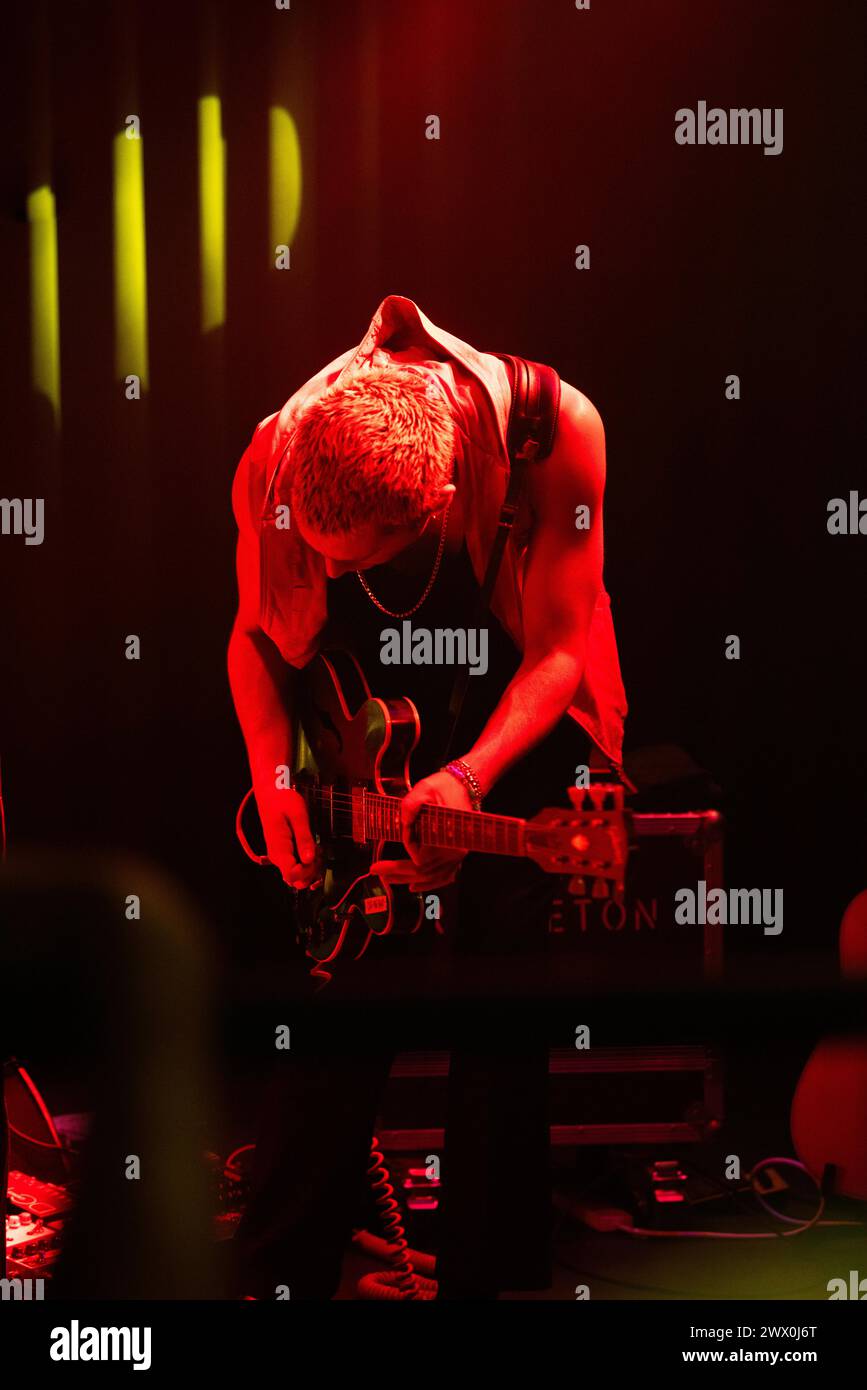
x=318 y=1122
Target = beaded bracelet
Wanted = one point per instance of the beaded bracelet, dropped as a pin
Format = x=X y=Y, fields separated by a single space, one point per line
x=465 y=775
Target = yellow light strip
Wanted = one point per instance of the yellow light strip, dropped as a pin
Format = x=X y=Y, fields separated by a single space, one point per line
x=212 y=212
x=130 y=265
x=44 y=297
x=285 y=177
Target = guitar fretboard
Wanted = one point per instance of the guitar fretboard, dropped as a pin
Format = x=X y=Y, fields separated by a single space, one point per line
x=370 y=816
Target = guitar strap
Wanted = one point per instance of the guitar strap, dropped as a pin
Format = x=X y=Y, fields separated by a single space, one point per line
x=529 y=439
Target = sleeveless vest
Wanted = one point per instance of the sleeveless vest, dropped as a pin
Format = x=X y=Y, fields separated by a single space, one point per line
x=290 y=577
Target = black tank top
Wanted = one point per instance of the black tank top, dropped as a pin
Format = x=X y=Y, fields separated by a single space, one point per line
x=355 y=623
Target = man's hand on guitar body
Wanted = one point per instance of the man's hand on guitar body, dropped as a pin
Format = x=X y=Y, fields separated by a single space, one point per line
x=289 y=840
x=428 y=867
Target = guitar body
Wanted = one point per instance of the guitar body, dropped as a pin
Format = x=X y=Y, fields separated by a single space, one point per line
x=353 y=743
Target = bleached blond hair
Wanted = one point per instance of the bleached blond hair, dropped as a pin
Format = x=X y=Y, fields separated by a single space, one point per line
x=374 y=449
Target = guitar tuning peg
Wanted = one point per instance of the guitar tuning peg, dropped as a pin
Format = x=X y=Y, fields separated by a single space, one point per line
x=581 y=798
x=600 y=888
x=577 y=887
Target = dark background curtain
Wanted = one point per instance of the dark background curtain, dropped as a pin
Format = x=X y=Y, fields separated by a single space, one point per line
x=557 y=128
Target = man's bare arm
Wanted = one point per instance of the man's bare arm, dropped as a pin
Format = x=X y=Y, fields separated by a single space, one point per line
x=562 y=579
x=262 y=688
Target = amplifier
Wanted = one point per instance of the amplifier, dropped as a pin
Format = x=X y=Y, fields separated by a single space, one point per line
x=668 y=852
x=607 y=1095
x=617 y=1095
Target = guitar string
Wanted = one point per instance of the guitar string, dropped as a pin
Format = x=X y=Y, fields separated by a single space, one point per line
x=345 y=801
x=483 y=822
x=478 y=819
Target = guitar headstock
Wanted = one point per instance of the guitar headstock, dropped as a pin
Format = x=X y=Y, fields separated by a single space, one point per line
x=590 y=840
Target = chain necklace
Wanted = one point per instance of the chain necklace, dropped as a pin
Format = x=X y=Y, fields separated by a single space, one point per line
x=434 y=572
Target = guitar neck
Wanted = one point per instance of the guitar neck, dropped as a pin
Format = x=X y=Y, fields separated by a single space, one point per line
x=369 y=816
x=445 y=828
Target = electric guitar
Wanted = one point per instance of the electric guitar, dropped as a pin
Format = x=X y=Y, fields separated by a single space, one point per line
x=352 y=768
